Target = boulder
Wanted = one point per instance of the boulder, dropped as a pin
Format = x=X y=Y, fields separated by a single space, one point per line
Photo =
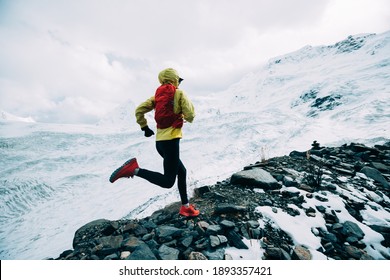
x=256 y=177
x=375 y=175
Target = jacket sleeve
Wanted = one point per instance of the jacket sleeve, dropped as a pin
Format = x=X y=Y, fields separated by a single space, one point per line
x=185 y=106
x=142 y=109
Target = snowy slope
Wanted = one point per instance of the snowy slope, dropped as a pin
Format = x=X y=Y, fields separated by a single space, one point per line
x=7 y=117
x=332 y=94
x=54 y=178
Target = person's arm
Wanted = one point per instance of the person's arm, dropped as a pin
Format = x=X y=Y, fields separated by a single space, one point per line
x=186 y=106
x=142 y=109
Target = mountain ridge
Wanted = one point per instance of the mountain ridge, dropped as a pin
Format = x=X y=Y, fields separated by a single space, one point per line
x=319 y=204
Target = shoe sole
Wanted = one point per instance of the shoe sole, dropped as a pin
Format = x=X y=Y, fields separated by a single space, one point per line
x=189 y=216
x=113 y=175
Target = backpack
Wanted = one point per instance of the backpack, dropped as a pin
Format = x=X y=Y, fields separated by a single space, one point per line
x=164 y=114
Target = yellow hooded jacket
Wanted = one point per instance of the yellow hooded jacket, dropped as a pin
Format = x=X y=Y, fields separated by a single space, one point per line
x=182 y=105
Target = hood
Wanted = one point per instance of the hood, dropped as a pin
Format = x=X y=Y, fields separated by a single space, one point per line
x=169 y=76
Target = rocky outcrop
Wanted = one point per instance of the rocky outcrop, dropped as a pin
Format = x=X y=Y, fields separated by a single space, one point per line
x=230 y=215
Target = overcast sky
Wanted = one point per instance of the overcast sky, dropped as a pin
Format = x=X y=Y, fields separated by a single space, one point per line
x=73 y=61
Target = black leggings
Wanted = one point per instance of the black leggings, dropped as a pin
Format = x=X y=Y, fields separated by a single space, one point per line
x=173 y=167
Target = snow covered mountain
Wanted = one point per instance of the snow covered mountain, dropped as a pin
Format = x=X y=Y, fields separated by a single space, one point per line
x=7 y=117
x=333 y=94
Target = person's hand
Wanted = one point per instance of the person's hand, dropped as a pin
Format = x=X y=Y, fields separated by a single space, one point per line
x=148 y=131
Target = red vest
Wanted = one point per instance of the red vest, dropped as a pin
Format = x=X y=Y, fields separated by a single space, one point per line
x=164 y=114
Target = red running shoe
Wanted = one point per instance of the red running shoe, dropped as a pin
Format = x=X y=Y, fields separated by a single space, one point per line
x=189 y=211
x=126 y=170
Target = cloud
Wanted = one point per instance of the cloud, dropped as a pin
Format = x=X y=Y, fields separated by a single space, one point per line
x=74 y=61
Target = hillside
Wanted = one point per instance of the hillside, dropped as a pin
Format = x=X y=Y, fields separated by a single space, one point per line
x=326 y=203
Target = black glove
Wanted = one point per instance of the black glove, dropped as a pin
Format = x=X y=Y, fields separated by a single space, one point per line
x=148 y=131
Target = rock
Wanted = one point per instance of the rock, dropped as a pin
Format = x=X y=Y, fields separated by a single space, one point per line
x=235 y=240
x=222 y=239
x=124 y=255
x=168 y=232
x=289 y=182
x=113 y=256
x=168 y=253
x=353 y=252
x=375 y=175
x=214 y=229
x=135 y=228
x=200 y=192
x=65 y=254
x=253 y=224
x=224 y=208
x=142 y=252
x=380 y=166
x=256 y=177
x=214 y=241
x=110 y=244
x=351 y=229
x=274 y=253
x=197 y=256
x=296 y=154
x=131 y=243
x=218 y=254
x=230 y=214
x=203 y=225
x=101 y=227
x=301 y=253
x=186 y=242
x=227 y=224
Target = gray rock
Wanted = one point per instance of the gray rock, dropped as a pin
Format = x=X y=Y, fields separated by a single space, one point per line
x=227 y=224
x=224 y=208
x=186 y=242
x=131 y=243
x=214 y=241
x=214 y=229
x=168 y=253
x=197 y=256
x=168 y=231
x=253 y=224
x=380 y=166
x=289 y=182
x=275 y=253
x=375 y=175
x=215 y=255
x=255 y=177
x=235 y=240
x=354 y=252
x=113 y=256
x=142 y=252
x=124 y=255
x=113 y=242
x=350 y=229
x=222 y=239
x=92 y=229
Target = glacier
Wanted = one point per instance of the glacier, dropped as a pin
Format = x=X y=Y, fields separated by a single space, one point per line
x=54 y=177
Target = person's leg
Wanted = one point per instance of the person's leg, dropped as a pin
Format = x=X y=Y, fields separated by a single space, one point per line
x=173 y=167
x=169 y=150
x=186 y=209
x=182 y=183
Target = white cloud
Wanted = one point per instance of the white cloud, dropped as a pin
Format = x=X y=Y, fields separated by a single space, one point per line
x=73 y=61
